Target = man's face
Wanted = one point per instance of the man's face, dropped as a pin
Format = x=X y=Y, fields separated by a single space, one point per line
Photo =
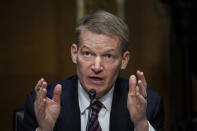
x=98 y=60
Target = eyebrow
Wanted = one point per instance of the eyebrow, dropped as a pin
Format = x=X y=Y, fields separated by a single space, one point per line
x=105 y=50
x=85 y=47
x=110 y=50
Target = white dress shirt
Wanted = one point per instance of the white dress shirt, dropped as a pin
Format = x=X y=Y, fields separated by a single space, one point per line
x=104 y=114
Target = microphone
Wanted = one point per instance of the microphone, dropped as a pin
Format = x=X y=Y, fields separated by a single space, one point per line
x=92 y=95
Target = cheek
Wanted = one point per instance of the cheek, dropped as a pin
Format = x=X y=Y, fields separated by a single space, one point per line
x=113 y=71
x=82 y=66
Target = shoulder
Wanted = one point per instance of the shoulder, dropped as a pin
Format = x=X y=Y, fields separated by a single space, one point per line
x=67 y=85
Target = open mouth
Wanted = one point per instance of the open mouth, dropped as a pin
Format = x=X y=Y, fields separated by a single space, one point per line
x=96 y=80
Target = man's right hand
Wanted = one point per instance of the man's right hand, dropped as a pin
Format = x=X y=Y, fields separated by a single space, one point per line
x=46 y=110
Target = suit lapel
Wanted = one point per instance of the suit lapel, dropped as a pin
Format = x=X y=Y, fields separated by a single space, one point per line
x=119 y=118
x=76 y=111
x=70 y=112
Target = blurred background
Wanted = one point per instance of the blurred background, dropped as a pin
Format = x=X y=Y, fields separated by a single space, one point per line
x=35 y=39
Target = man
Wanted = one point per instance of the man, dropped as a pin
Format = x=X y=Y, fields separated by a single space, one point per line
x=99 y=53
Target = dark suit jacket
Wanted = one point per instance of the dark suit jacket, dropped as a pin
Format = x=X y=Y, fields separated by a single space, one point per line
x=69 y=118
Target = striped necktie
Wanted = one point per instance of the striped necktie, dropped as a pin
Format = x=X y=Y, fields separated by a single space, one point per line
x=93 y=121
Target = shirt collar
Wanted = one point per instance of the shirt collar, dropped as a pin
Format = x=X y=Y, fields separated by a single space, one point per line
x=84 y=100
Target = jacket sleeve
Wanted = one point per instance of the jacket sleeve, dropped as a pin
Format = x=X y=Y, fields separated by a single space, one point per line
x=29 y=121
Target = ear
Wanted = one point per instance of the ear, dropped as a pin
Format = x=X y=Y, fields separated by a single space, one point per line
x=74 y=50
x=125 y=60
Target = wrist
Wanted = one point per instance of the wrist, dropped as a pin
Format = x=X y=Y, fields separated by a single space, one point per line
x=40 y=129
x=142 y=125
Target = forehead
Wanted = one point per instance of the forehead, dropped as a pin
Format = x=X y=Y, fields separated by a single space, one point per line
x=92 y=39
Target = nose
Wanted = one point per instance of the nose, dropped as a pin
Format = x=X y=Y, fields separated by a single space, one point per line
x=97 y=66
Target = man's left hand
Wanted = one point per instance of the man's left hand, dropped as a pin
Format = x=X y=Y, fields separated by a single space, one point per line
x=137 y=102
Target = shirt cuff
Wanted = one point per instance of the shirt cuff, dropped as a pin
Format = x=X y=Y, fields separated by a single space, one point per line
x=150 y=128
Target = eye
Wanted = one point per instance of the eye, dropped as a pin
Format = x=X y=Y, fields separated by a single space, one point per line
x=86 y=53
x=109 y=56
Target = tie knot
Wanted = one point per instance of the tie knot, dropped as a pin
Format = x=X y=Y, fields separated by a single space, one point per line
x=96 y=106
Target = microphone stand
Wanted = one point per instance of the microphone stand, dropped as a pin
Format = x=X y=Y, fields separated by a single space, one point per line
x=92 y=94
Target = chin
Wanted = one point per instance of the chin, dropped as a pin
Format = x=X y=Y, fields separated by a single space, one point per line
x=99 y=95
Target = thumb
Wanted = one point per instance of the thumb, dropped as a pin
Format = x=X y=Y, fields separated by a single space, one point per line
x=57 y=93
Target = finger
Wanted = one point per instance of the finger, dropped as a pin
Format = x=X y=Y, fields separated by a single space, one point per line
x=142 y=88
x=43 y=106
x=142 y=83
x=141 y=77
x=141 y=98
x=39 y=83
x=132 y=84
x=44 y=84
x=40 y=98
x=41 y=94
x=43 y=91
x=137 y=89
x=138 y=92
x=41 y=101
x=57 y=93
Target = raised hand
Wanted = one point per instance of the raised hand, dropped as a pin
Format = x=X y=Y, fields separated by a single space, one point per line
x=137 y=102
x=46 y=110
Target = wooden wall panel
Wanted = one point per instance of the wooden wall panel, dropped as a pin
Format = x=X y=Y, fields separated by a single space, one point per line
x=31 y=49
x=66 y=22
x=28 y=38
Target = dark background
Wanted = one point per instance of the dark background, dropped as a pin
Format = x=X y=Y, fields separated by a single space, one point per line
x=35 y=39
